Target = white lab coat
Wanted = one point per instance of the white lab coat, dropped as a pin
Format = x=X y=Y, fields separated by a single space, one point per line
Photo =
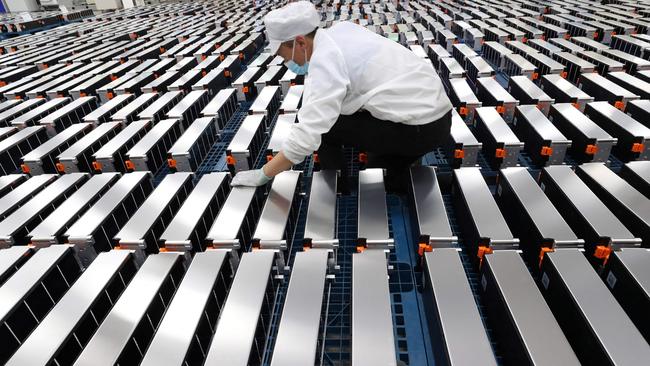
x=352 y=69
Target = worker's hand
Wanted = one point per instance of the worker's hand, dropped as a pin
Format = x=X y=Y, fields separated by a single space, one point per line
x=250 y=178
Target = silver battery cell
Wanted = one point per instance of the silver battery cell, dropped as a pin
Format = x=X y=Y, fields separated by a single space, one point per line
x=565 y=92
x=463 y=98
x=517 y=65
x=631 y=83
x=111 y=156
x=129 y=112
x=463 y=147
x=189 y=227
x=69 y=114
x=33 y=116
x=292 y=99
x=491 y=93
x=13 y=199
x=373 y=215
x=451 y=69
x=159 y=108
x=106 y=110
x=245 y=83
x=270 y=77
x=78 y=157
x=222 y=107
x=161 y=83
x=545 y=144
x=188 y=109
x=149 y=154
x=246 y=145
x=43 y=159
x=528 y=93
x=280 y=133
x=17 y=145
x=188 y=151
x=575 y=66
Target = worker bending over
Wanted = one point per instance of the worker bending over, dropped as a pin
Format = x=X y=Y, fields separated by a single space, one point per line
x=361 y=90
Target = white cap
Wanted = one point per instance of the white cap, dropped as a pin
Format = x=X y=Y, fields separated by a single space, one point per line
x=288 y=22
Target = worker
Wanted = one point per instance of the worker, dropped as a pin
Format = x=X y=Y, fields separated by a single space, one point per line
x=362 y=90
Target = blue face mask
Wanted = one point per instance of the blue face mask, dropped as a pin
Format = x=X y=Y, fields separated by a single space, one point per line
x=293 y=66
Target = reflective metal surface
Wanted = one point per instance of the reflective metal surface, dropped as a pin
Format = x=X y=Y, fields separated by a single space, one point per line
x=273 y=220
x=225 y=228
x=45 y=233
x=298 y=330
x=165 y=99
x=373 y=341
x=191 y=134
x=430 y=209
x=321 y=213
x=466 y=342
x=215 y=105
x=292 y=99
x=281 y=132
x=117 y=328
x=45 y=340
x=111 y=147
x=177 y=329
x=264 y=98
x=136 y=104
x=186 y=103
x=372 y=214
x=242 y=139
x=24 y=191
x=536 y=326
x=88 y=140
x=145 y=144
x=33 y=158
x=233 y=339
x=108 y=107
x=10 y=256
x=616 y=333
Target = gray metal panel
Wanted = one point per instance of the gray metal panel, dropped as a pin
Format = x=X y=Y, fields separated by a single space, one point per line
x=162 y=101
x=615 y=115
x=115 y=331
x=108 y=149
x=8 y=180
x=89 y=139
x=18 y=137
x=541 y=124
x=45 y=232
x=372 y=215
x=107 y=107
x=297 y=338
x=373 y=341
x=50 y=118
x=33 y=208
x=145 y=144
x=264 y=98
x=536 y=325
x=640 y=168
x=497 y=126
x=129 y=109
x=599 y=217
x=215 y=105
x=35 y=155
x=181 y=227
x=10 y=256
x=173 y=337
x=582 y=122
x=636 y=261
x=616 y=332
x=18 y=285
x=632 y=199
x=486 y=215
x=80 y=231
x=24 y=191
x=233 y=338
x=465 y=339
x=187 y=102
x=141 y=221
x=546 y=217
x=321 y=214
x=43 y=108
x=275 y=214
x=191 y=134
x=47 y=338
x=430 y=208
x=227 y=224
x=244 y=135
x=281 y=131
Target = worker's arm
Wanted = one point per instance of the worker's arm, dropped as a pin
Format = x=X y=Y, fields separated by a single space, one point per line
x=325 y=88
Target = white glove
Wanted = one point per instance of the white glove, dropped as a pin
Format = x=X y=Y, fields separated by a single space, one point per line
x=250 y=178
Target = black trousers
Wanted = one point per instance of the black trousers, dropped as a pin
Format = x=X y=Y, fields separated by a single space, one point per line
x=389 y=145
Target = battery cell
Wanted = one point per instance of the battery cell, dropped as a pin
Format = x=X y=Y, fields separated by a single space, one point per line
x=545 y=144
x=528 y=93
x=491 y=93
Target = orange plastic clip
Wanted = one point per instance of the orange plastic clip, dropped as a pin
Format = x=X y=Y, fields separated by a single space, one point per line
x=543 y=251
x=316 y=158
x=595 y=35
x=591 y=149
x=546 y=151
x=619 y=105
x=524 y=40
x=171 y=163
x=575 y=105
x=603 y=252
x=501 y=109
x=269 y=157
x=129 y=165
x=24 y=168
x=226 y=73
x=109 y=95
x=500 y=153
x=462 y=111
x=482 y=251
x=162 y=50
x=221 y=57
x=60 y=168
x=245 y=89
x=459 y=153
x=567 y=36
x=82 y=94
x=97 y=166
x=637 y=147
x=241 y=55
x=363 y=158
x=360 y=248
x=424 y=247
x=230 y=160
x=563 y=74
x=2 y=83
x=535 y=75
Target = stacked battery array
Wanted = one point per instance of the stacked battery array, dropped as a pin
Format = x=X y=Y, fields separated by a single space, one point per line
x=521 y=241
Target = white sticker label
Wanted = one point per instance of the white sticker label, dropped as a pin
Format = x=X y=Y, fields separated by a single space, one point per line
x=499 y=190
x=611 y=279
x=545 y=280
x=542 y=186
x=484 y=282
x=26 y=17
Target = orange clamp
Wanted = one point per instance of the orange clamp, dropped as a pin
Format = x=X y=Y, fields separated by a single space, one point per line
x=543 y=251
x=563 y=74
x=221 y=57
x=363 y=158
x=462 y=111
x=316 y=158
x=591 y=149
x=524 y=40
x=595 y=35
x=24 y=168
x=2 y=83
x=129 y=165
x=230 y=160
x=97 y=166
x=546 y=151
x=60 y=168
x=171 y=163
x=203 y=73
x=482 y=251
x=575 y=105
x=245 y=90
x=637 y=147
x=459 y=153
x=424 y=247
x=226 y=73
x=162 y=50
x=501 y=109
x=269 y=157
x=241 y=55
x=82 y=94
x=500 y=153
x=535 y=75
x=114 y=77
x=109 y=95
x=360 y=248
x=18 y=97
x=603 y=252
x=619 y=105
x=567 y=36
